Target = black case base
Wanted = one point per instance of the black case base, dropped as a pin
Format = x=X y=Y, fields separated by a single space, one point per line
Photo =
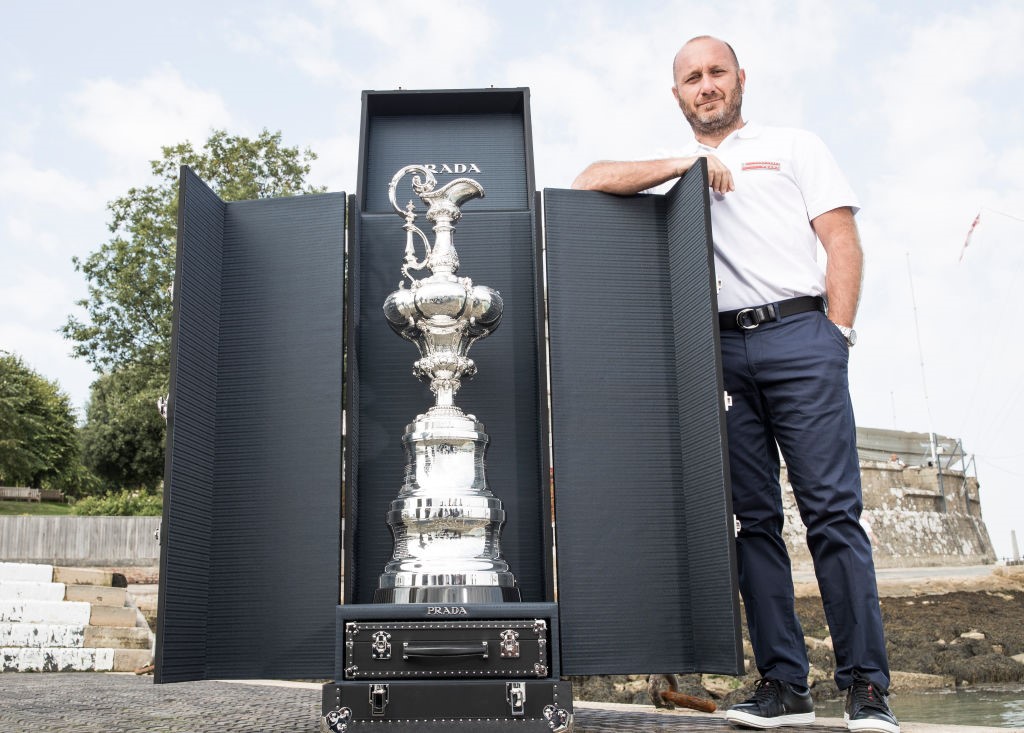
x=450 y=705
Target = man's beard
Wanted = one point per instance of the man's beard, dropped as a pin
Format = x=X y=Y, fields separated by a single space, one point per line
x=724 y=119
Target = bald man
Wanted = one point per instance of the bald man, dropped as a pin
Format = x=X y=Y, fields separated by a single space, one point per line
x=786 y=332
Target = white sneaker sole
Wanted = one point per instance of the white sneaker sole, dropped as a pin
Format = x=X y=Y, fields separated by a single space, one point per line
x=870 y=726
x=738 y=717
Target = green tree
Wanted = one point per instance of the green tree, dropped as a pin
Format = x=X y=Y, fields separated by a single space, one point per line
x=123 y=436
x=38 y=440
x=128 y=305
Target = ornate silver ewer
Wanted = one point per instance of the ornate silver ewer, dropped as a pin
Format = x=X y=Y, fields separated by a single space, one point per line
x=446 y=522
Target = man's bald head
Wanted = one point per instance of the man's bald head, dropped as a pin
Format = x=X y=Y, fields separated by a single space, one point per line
x=679 y=53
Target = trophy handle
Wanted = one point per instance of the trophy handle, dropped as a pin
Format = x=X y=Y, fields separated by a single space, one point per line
x=420 y=186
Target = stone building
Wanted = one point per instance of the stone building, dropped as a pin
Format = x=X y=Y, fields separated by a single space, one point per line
x=920 y=507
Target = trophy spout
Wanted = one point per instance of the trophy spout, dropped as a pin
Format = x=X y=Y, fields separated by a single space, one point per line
x=454 y=194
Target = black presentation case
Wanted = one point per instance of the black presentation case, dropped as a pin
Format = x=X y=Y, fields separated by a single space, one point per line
x=448 y=667
x=452 y=667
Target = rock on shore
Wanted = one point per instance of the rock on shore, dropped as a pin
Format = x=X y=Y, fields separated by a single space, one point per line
x=940 y=633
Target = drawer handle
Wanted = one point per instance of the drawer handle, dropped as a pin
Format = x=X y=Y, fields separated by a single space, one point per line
x=413 y=649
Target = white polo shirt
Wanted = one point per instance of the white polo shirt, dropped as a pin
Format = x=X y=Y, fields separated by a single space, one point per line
x=765 y=248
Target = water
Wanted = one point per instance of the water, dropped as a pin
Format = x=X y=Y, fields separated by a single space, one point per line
x=998 y=707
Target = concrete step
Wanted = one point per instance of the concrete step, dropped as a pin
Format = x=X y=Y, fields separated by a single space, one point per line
x=31 y=590
x=49 y=612
x=117 y=637
x=145 y=595
x=31 y=659
x=73 y=660
x=43 y=635
x=129 y=660
x=82 y=576
x=21 y=571
x=98 y=595
x=122 y=616
x=69 y=619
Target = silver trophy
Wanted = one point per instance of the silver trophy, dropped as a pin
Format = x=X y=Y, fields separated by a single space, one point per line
x=446 y=522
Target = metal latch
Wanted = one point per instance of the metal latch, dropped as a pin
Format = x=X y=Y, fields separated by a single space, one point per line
x=336 y=721
x=378 y=699
x=509 y=644
x=381 y=646
x=515 y=693
x=727 y=398
x=558 y=719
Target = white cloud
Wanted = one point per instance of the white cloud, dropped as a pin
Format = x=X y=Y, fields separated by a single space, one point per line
x=942 y=98
x=131 y=121
x=310 y=45
x=22 y=181
x=432 y=35
x=359 y=45
x=20 y=75
x=23 y=231
x=336 y=163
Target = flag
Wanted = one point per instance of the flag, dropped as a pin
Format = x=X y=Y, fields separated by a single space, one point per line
x=970 y=231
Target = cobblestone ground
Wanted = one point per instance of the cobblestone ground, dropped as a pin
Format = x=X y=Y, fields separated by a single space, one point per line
x=110 y=703
x=117 y=703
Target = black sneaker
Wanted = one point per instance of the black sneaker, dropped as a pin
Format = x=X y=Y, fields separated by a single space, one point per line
x=774 y=704
x=867 y=707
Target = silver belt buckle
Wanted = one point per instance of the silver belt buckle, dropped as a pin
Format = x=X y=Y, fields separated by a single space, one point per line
x=746 y=319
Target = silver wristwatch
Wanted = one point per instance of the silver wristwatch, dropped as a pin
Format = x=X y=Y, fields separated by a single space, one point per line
x=849 y=333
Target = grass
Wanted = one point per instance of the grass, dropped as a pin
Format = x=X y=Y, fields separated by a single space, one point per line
x=33 y=508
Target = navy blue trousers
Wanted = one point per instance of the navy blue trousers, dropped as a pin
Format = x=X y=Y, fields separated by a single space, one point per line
x=789 y=386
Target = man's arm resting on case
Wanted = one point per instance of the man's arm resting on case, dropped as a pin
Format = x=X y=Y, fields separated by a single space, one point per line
x=628 y=177
x=838 y=234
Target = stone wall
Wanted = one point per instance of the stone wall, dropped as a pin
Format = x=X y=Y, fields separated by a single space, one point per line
x=915 y=516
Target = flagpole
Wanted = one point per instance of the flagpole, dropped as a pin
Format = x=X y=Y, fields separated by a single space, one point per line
x=920 y=355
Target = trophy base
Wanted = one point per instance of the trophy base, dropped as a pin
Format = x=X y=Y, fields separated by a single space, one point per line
x=448 y=594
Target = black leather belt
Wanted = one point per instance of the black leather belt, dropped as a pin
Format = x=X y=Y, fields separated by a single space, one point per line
x=748 y=318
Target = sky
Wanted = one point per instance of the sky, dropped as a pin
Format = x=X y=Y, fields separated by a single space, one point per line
x=921 y=103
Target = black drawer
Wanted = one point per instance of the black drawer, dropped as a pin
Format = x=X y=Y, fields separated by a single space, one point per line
x=507 y=648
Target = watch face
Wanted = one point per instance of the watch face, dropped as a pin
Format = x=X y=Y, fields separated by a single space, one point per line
x=851 y=337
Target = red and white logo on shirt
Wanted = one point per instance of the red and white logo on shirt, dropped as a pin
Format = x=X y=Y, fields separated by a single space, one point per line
x=762 y=165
